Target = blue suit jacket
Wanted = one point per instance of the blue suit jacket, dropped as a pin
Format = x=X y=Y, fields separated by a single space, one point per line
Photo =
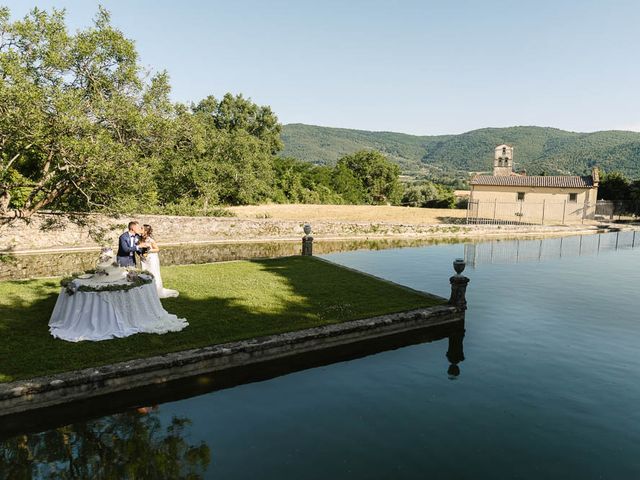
x=124 y=246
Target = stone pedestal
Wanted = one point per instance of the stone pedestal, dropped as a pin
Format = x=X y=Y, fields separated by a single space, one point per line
x=458 y=286
x=307 y=245
x=307 y=241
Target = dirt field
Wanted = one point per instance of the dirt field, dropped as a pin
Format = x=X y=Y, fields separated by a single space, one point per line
x=350 y=213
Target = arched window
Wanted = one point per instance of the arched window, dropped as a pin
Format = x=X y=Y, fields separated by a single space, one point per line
x=504 y=150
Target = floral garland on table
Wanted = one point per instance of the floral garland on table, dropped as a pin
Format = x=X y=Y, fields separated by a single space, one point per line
x=135 y=279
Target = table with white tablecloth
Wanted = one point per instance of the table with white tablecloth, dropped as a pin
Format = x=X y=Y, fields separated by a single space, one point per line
x=101 y=315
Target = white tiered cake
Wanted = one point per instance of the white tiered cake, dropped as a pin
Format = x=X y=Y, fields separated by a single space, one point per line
x=107 y=270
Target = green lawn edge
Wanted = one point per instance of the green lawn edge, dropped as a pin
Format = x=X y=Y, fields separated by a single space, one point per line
x=223 y=302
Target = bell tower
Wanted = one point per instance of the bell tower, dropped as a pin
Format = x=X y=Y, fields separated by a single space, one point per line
x=503 y=160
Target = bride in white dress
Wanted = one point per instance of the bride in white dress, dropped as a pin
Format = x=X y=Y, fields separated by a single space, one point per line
x=151 y=262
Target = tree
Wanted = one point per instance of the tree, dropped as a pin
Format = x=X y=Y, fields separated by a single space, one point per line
x=236 y=113
x=78 y=127
x=244 y=168
x=413 y=197
x=289 y=174
x=430 y=195
x=634 y=197
x=375 y=174
x=614 y=186
x=207 y=165
x=345 y=182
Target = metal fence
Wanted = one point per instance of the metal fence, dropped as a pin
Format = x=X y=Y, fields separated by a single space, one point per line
x=605 y=208
x=528 y=213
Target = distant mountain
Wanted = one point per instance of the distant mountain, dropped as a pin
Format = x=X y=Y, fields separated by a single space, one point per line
x=537 y=149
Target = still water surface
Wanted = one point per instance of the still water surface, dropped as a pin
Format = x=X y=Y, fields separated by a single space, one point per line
x=550 y=387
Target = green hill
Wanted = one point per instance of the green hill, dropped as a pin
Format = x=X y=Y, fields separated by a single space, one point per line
x=537 y=149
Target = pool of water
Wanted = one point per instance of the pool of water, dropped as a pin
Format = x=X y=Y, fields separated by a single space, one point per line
x=549 y=387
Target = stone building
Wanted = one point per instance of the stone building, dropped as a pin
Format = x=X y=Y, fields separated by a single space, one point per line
x=510 y=196
x=503 y=160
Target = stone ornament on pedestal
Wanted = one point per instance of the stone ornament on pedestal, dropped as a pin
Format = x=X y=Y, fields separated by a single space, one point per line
x=458 y=286
x=307 y=241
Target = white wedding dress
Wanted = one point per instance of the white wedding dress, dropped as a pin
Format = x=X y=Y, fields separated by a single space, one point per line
x=152 y=264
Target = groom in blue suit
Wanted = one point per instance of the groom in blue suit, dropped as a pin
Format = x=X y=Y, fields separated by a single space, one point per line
x=128 y=245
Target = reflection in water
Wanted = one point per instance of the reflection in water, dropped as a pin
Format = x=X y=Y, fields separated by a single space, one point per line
x=20 y=266
x=518 y=251
x=455 y=353
x=136 y=444
x=126 y=445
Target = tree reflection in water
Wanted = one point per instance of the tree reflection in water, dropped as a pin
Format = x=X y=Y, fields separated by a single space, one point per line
x=136 y=444
x=128 y=445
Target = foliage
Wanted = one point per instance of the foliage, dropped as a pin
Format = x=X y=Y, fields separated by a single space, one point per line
x=430 y=195
x=73 y=111
x=634 y=198
x=236 y=114
x=364 y=177
x=349 y=186
x=624 y=194
x=301 y=182
x=7 y=258
x=208 y=167
x=325 y=145
x=614 y=186
x=137 y=280
x=450 y=158
x=82 y=130
x=134 y=444
x=373 y=176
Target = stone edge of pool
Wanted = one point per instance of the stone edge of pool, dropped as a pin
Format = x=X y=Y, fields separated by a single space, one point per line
x=25 y=395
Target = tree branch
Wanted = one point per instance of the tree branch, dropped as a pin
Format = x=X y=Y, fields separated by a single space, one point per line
x=8 y=165
x=84 y=194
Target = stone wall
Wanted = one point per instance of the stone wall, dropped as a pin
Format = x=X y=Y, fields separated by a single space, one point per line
x=174 y=230
x=21 y=236
x=61 y=263
x=167 y=230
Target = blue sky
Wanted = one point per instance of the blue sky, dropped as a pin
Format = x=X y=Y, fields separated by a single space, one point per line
x=420 y=67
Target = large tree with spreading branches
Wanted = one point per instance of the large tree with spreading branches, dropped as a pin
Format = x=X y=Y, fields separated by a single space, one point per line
x=76 y=117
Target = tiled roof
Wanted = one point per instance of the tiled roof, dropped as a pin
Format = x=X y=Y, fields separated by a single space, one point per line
x=533 y=181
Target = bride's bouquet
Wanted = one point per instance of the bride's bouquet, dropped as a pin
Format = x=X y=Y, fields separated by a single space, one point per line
x=144 y=253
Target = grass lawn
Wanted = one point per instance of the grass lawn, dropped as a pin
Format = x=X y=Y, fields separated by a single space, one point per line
x=223 y=302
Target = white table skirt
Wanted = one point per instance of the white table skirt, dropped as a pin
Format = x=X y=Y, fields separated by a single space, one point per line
x=103 y=315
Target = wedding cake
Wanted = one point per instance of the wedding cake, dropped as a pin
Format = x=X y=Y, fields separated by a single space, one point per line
x=106 y=269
